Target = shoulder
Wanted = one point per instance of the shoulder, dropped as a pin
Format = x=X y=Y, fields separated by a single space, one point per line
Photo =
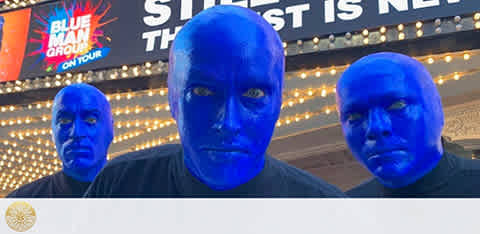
x=303 y=180
x=155 y=154
x=467 y=167
x=123 y=173
x=33 y=189
x=368 y=188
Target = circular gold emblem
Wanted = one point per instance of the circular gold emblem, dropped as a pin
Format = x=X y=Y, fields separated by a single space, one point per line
x=20 y=216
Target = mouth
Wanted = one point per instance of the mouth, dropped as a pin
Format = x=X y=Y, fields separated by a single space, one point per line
x=78 y=148
x=385 y=154
x=227 y=149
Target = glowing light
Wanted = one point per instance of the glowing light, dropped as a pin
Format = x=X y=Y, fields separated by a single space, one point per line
x=419 y=24
x=400 y=27
x=401 y=36
x=448 y=58
x=430 y=60
x=419 y=33
x=456 y=76
x=383 y=30
x=466 y=56
x=324 y=93
x=333 y=71
x=365 y=32
x=476 y=16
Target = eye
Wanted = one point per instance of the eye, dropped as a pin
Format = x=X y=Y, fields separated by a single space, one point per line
x=354 y=116
x=254 y=93
x=398 y=105
x=91 y=120
x=64 y=121
x=202 y=91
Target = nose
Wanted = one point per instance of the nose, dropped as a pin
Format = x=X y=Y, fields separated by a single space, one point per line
x=77 y=129
x=379 y=124
x=228 y=122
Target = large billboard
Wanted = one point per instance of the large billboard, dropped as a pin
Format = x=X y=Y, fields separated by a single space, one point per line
x=79 y=35
x=67 y=35
x=13 y=37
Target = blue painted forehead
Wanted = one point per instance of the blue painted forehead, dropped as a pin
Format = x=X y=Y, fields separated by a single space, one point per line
x=76 y=91
x=388 y=64
x=227 y=27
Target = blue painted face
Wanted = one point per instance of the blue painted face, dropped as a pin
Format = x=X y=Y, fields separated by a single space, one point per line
x=82 y=128
x=392 y=117
x=225 y=92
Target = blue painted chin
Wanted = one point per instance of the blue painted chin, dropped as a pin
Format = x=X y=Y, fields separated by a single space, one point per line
x=82 y=130
x=394 y=127
x=225 y=87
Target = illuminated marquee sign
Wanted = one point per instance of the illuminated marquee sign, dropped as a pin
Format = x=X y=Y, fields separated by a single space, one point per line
x=69 y=36
x=82 y=35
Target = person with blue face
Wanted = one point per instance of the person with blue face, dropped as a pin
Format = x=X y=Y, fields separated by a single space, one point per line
x=225 y=93
x=82 y=127
x=392 y=119
x=2 y=22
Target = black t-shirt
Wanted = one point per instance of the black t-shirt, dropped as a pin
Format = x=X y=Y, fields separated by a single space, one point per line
x=160 y=172
x=452 y=177
x=58 y=185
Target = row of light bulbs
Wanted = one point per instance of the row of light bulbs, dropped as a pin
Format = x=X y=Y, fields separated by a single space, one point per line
x=324 y=91
x=65 y=79
x=298 y=97
x=430 y=59
x=14 y=4
x=325 y=110
x=156 y=125
x=159 y=141
x=281 y=122
x=110 y=97
x=441 y=79
x=383 y=35
x=27 y=133
x=447 y=57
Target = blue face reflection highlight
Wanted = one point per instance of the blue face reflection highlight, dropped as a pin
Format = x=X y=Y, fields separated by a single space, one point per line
x=225 y=92
x=82 y=128
x=392 y=117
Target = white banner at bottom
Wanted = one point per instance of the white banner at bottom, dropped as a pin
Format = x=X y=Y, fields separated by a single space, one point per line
x=240 y=216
